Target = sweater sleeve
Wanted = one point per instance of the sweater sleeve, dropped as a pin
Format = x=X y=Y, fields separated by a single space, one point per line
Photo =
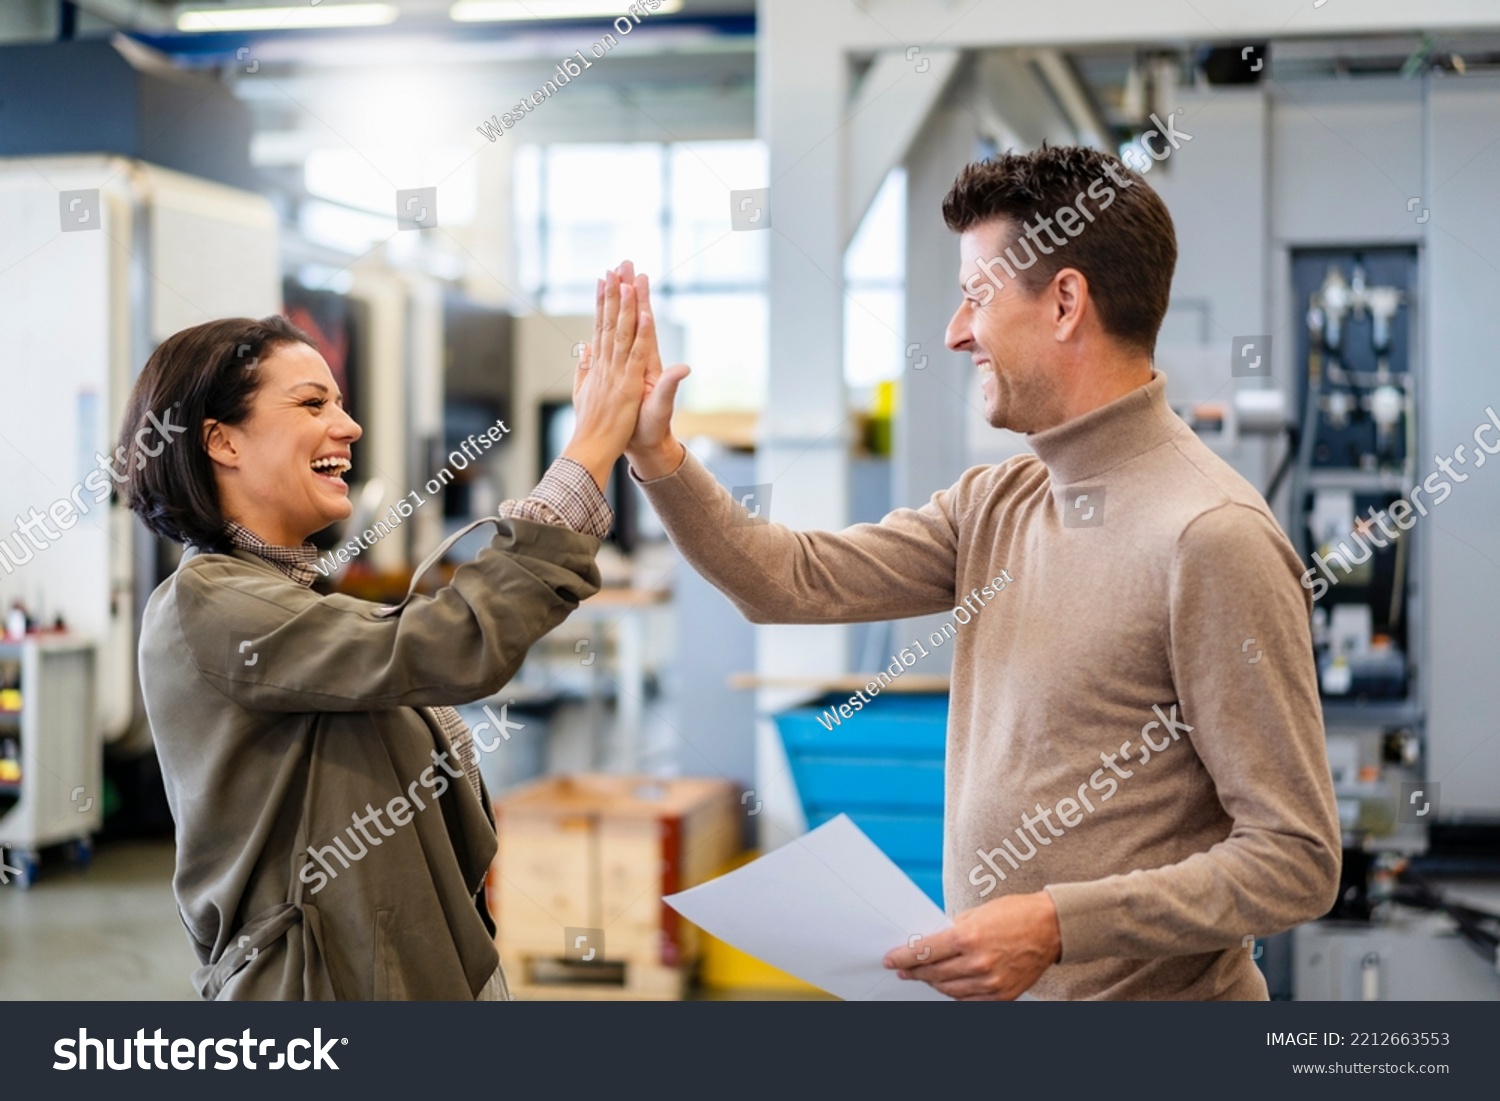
x=903 y=566
x=1243 y=667
x=271 y=645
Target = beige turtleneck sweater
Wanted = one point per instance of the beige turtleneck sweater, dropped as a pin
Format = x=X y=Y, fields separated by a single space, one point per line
x=1134 y=722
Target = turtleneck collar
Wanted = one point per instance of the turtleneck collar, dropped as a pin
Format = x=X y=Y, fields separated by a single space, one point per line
x=1103 y=438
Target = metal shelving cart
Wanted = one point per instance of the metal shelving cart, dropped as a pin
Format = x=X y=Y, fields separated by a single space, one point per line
x=51 y=766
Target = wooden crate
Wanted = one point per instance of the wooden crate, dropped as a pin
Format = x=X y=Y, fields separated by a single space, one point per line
x=598 y=852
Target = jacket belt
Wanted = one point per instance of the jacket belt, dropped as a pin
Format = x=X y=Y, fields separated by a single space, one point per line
x=255 y=936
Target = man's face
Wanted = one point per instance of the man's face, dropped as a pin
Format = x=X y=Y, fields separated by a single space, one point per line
x=1007 y=332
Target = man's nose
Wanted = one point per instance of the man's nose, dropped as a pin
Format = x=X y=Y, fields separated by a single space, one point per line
x=958 y=336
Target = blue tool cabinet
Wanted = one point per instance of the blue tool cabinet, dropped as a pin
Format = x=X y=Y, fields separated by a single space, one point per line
x=883 y=767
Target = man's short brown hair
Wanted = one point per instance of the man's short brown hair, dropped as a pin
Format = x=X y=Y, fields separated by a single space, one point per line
x=1124 y=242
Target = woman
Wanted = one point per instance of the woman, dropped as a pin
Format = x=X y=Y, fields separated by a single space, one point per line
x=333 y=834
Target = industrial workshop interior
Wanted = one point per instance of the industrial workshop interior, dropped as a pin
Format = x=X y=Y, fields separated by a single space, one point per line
x=1109 y=619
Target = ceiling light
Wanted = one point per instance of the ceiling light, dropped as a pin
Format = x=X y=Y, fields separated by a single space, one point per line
x=489 y=11
x=278 y=19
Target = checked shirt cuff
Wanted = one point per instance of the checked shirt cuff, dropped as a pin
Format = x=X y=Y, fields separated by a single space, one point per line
x=568 y=497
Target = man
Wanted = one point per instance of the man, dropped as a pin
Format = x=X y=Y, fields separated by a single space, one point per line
x=1137 y=783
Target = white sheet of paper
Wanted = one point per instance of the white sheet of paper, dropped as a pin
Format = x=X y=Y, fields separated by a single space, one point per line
x=826 y=907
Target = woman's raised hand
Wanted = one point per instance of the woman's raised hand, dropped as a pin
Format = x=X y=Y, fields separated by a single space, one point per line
x=653 y=450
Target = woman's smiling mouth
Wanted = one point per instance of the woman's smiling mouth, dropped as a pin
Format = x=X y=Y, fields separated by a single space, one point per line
x=332 y=468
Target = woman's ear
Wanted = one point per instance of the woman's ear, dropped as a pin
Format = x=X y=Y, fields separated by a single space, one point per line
x=219 y=445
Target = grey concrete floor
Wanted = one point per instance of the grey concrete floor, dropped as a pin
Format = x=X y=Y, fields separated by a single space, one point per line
x=107 y=933
x=111 y=933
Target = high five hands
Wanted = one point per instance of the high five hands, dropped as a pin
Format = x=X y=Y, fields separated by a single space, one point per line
x=621 y=394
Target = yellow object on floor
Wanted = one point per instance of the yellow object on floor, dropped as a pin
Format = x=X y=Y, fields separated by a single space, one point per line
x=724 y=967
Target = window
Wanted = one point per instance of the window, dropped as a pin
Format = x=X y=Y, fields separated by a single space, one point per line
x=875 y=292
x=582 y=208
x=351 y=195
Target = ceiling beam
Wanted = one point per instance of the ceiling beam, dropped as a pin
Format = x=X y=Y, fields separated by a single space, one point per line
x=890 y=105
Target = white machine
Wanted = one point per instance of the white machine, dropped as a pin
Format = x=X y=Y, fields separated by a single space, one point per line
x=101 y=258
x=51 y=788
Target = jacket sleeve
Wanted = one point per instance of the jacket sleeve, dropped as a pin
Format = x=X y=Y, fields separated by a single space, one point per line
x=1243 y=667
x=274 y=646
x=903 y=566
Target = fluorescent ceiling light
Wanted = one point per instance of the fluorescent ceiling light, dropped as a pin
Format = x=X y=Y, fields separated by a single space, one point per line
x=489 y=11
x=275 y=19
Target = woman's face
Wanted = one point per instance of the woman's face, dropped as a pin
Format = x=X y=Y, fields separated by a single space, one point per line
x=281 y=472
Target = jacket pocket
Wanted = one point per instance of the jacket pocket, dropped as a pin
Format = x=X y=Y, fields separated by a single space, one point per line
x=389 y=985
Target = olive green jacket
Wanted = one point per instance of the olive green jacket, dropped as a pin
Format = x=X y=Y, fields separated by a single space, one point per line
x=327 y=844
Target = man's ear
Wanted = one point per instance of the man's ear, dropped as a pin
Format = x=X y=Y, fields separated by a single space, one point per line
x=219 y=445
x=1070 y=297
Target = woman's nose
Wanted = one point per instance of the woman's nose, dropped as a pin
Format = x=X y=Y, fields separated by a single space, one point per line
x=349 y=429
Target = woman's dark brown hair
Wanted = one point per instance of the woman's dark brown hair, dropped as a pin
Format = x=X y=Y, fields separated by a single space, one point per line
x=208 y=372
